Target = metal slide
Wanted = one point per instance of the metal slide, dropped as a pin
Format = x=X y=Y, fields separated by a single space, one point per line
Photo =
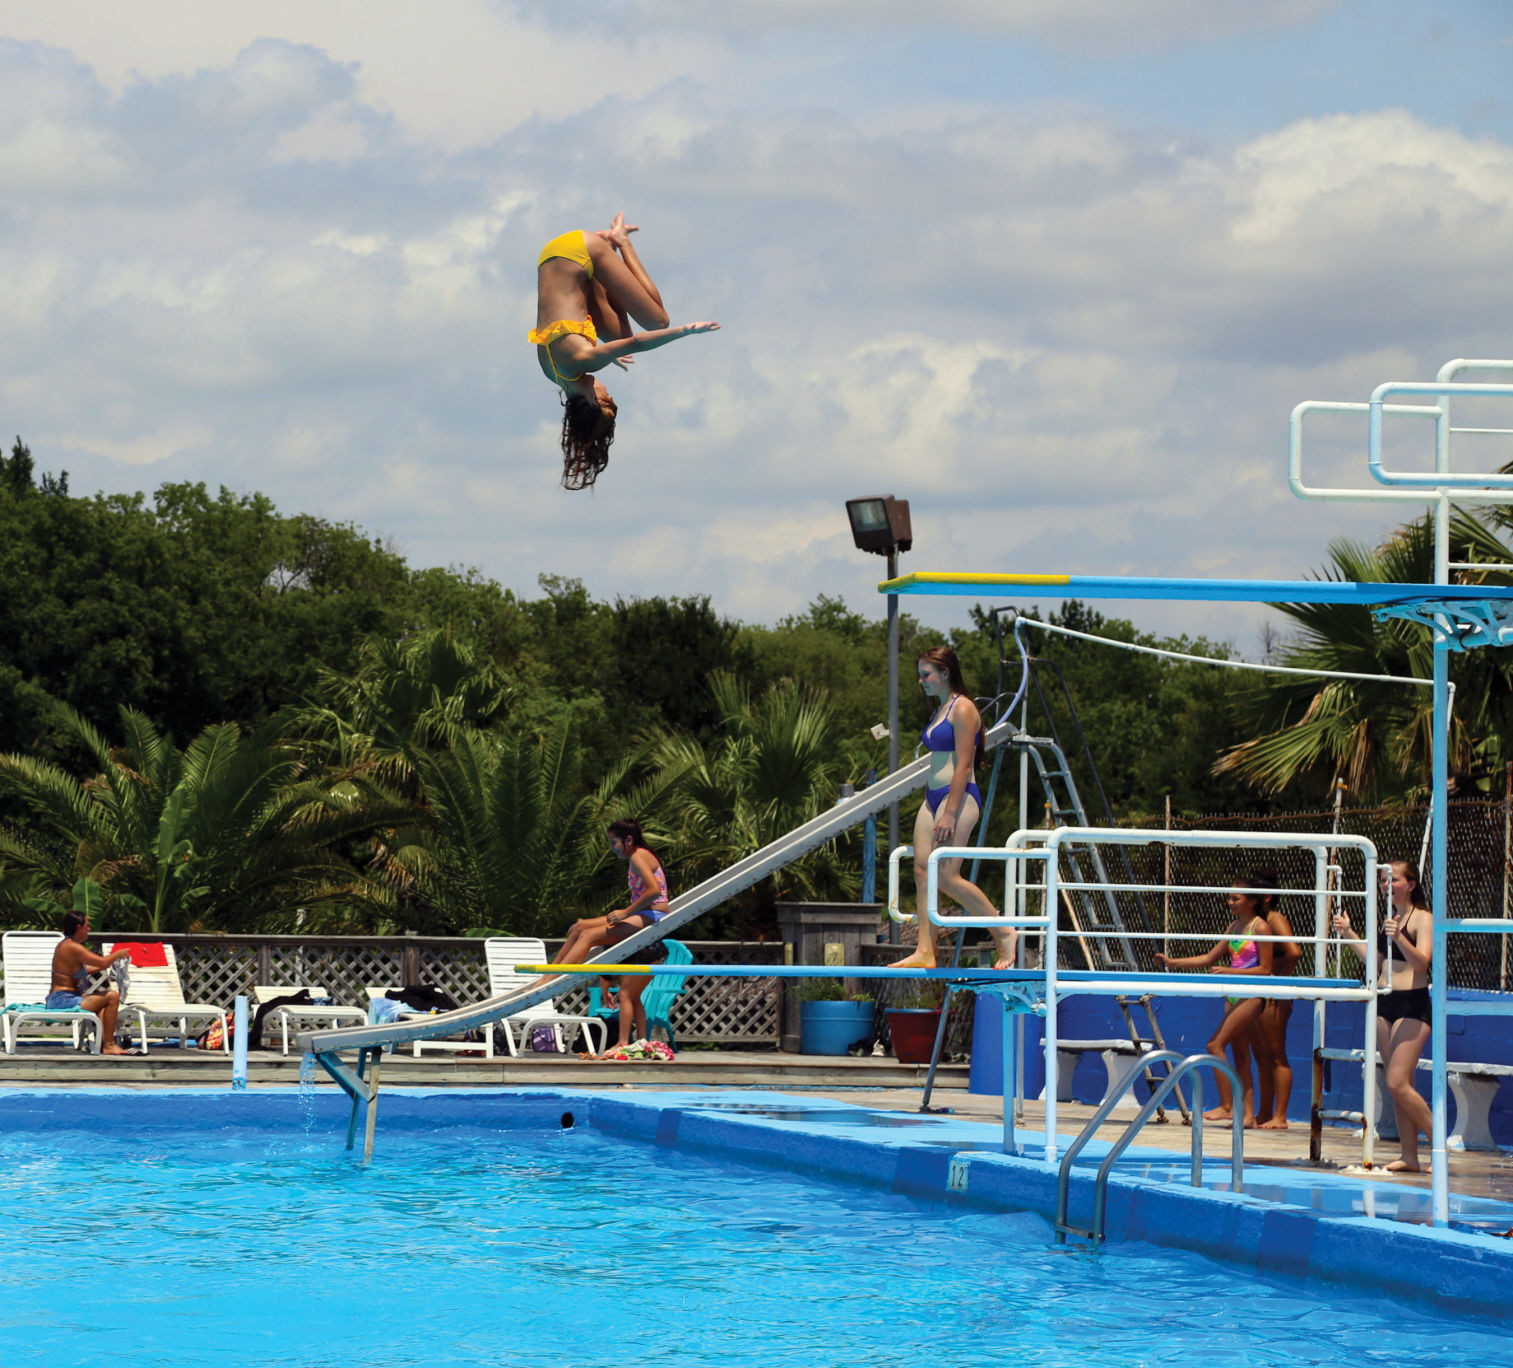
x=684 y=908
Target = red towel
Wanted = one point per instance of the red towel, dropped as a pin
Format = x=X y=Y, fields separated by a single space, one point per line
x=146 y=954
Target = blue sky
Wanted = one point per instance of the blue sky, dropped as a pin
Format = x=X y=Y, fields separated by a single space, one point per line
x=1055 y=270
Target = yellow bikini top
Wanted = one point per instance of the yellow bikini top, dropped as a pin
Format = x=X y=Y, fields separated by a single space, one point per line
x=544 y=337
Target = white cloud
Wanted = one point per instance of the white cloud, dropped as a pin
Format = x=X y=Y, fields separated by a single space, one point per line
x=1072 y=343
x=1086 y=26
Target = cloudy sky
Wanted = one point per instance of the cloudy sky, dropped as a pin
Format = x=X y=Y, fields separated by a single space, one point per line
x=1055 y=270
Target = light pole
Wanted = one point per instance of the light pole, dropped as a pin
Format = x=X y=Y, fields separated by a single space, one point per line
x=880 y=524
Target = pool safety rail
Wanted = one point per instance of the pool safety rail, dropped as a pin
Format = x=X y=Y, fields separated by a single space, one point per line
x=1459 y=616
x=1032 y=860
x=1178 y=1067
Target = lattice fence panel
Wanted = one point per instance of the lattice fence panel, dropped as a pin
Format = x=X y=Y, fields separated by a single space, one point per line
x=461 y=971
x=216 y=974
x=344 y=971
x=745 y=1011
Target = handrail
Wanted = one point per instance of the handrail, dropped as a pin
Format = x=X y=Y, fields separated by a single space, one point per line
x=1180 y=1066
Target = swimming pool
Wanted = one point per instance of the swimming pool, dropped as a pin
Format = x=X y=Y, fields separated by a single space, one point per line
x=210 y=1227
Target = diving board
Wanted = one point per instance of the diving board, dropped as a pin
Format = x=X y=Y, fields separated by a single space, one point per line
x=1368 y=594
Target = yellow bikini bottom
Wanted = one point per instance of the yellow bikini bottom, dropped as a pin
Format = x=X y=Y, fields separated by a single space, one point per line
x=544 y=337
x=573 y=246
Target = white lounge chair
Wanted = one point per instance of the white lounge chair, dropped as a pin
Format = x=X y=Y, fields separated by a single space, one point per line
x=332 y=1015
x=28 y=980
x=486 y=1044
x=503 y=953
x=154 y=993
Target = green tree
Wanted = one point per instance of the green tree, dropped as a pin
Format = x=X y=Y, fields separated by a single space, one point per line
x=403 y=699
x=518 y=842
x=774 y=764
x=224 y=834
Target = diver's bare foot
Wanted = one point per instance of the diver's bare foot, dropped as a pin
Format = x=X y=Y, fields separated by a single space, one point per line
x=1401 y=1166
x=1272 y=1123
x=1007 y=947
x=914 y=961
x=1249 y=1123
x=1219 y=1114
x=113 y=1050
x=619 y=231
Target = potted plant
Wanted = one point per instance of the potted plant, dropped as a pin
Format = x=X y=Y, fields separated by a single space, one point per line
x=831 y=1021
x=913 y=1021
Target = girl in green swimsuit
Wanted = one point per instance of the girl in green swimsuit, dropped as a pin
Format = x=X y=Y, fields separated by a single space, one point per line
x=1247 y=955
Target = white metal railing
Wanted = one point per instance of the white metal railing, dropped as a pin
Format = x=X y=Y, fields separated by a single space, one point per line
x=1027 y=850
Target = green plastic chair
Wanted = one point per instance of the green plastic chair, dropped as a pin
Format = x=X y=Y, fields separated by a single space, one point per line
x=657 y=999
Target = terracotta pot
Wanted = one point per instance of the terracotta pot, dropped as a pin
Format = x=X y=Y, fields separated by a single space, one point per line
x=912 y=1030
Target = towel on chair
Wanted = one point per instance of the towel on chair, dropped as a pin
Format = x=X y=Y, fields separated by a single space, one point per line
x=146 y=954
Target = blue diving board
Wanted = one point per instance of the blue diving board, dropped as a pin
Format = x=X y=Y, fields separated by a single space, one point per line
x=965 y=585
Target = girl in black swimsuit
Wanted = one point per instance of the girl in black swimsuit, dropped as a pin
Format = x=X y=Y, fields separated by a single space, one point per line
x=1404 y=947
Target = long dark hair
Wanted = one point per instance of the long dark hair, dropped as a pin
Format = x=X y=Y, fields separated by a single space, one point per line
x=628 y=829
x=587 y=431
x=944 y=658
x=1258 y=879
x=1418 y=898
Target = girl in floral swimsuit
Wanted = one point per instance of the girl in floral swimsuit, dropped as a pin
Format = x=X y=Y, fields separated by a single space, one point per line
x=589 y=287
x=1247 y=955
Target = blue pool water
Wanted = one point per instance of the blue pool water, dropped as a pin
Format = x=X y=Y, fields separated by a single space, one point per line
x=161 y=1243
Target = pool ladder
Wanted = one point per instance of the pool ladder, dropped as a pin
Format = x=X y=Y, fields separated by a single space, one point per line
x=1178 y=1066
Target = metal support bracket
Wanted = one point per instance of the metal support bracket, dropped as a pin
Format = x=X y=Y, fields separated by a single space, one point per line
x=363 y=1091
x=1462 y=625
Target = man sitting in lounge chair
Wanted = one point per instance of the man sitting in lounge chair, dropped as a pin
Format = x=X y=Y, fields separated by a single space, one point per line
x=73 y=962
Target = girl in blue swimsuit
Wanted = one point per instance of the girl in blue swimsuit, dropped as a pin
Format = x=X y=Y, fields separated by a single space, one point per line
x=952 y=805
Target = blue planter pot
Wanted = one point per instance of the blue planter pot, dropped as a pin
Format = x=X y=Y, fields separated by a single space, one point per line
x=831 y=1028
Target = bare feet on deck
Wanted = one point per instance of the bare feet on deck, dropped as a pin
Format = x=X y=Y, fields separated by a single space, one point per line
x=113 y=1049
x=1007 y=944
x=1402 y=1166
x=1272 y=1123
x=1219 y=1114
x=914 y=961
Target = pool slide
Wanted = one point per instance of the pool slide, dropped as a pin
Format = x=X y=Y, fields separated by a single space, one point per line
x=684 y=908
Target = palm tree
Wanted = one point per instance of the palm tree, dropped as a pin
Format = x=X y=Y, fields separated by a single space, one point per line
x=1375 y=735
x=773 y=765
x=406 y=697
x=224 y=834
x=517 y=843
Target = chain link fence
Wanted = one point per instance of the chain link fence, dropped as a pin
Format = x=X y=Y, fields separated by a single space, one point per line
x=1479 y=875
